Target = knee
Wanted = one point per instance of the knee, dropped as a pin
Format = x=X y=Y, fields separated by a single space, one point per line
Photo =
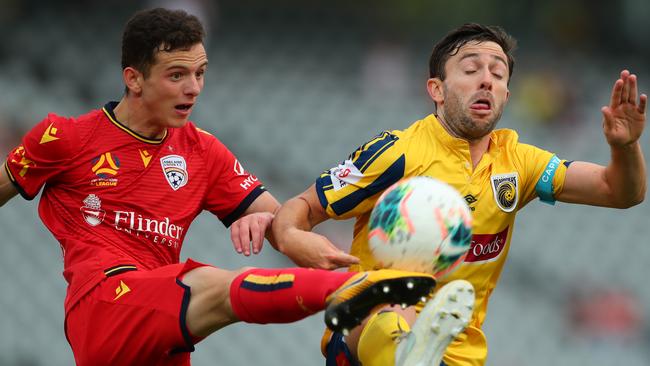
x=208 y=278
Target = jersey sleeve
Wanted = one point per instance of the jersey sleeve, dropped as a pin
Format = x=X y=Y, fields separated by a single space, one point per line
x=543 y=173
x=350 y=189
x=231 y=188
x=44 y=152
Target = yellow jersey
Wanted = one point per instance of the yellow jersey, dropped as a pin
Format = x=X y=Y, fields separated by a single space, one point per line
x=508 y=176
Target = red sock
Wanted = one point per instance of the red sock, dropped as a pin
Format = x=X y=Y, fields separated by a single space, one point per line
x=282 y=295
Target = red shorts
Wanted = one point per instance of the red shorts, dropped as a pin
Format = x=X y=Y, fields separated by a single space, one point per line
x=134 y=318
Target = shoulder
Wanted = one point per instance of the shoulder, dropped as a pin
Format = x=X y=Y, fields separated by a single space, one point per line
x=202 y=140
x=526 y=157
x=509 y=139
x=61 y=135
x=506 y=138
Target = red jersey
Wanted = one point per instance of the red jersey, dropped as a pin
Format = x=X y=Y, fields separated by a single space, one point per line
x=116 y=200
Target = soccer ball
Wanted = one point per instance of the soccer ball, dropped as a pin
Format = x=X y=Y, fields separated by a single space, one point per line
x=420 y=224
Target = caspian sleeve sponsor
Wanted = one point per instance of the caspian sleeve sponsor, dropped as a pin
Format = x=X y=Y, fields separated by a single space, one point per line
x=231 y=188
x=542 y=173
x=351 y=188
x=44 y=152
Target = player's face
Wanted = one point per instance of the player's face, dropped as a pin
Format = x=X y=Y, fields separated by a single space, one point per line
x=174 y=84
x=475 y=89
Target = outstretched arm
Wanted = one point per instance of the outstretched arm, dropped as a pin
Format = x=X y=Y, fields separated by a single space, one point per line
x=292 y=229
x=622 y=183
x=7 y=189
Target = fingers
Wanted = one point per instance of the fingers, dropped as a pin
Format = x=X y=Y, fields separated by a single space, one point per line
x=257 y=235
x=643 y=101
x=608 y=118
x=244 y=237
x=234 y=237
x=625 y=90
x=247 y=234
x=617 y=90
x=633 y=90
x=341 y=259
x=345 y=259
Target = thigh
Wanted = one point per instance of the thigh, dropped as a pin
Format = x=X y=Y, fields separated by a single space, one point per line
x=135 y=318
x=210 y=308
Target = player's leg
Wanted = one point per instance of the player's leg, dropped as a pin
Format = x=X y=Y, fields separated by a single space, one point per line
x=132 y=318
x=285 y=295
x=440 y=321
x=387 y=333
x=373 y=342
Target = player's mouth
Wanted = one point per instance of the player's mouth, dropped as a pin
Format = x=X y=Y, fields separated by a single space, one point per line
x=184 y=109
x=481 y=104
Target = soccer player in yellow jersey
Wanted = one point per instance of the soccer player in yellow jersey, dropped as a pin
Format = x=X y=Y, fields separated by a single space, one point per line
x=470 y=70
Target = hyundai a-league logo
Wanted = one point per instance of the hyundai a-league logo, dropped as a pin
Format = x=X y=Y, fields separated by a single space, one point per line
x=92 y=210
x=175 y=170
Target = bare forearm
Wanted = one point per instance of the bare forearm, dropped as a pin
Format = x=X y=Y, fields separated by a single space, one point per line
x=292 y=229
x=626 y=175
x=293 y=216
x=7 y=189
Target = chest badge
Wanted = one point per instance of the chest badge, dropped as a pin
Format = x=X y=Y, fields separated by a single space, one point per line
x=506 y=190
x=92 y=210
x=175 y=170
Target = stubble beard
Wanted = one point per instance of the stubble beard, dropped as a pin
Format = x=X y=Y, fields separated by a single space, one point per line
x=461 y=123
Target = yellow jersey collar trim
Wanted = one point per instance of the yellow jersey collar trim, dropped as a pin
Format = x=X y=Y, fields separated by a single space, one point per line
x=442 y=134
x=108 y=111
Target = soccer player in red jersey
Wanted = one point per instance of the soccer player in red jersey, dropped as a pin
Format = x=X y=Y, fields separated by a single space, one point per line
x=122 y=186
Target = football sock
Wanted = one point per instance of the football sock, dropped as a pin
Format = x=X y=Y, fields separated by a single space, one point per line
x=282 y=295
x=378 y=340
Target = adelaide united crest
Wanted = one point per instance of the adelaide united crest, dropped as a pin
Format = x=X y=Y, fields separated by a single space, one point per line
x=175 y=170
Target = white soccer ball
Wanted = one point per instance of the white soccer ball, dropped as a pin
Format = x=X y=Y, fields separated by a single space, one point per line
x=420 y=224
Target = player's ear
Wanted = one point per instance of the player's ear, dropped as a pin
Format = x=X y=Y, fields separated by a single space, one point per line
x=434 y=88
x=133 y=80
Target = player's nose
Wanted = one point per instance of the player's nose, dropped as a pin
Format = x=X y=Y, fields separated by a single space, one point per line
x=486 y=80
x=193 y=87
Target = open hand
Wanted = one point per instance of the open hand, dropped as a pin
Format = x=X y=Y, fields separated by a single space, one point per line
x=624 y=118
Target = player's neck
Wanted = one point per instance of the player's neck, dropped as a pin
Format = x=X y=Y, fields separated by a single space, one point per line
x=134 y=117
x=477 y=147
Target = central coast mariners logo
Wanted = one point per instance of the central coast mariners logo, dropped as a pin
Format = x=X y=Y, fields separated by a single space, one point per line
x=92 y=210
x=175 y=170
x=506 y=190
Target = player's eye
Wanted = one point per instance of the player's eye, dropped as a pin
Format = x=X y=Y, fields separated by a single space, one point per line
x=176 y=76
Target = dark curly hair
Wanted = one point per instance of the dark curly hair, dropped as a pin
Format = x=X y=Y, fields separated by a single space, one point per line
x=154 y=30
x=460 y=36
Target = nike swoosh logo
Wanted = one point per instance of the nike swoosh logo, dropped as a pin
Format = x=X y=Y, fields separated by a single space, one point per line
x=349 y=285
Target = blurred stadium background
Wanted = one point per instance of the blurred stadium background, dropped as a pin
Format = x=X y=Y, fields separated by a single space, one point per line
x=294 y=87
